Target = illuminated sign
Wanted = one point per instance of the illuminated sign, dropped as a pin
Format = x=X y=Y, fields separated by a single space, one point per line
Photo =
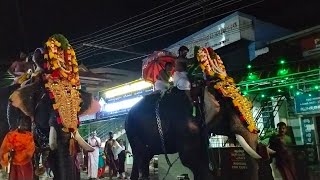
x=124 y=104
x=118 y=100
x=224 y=32
x=127 y=88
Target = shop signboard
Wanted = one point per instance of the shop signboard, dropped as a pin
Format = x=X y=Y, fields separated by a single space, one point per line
x=307 y=127
x=311 y=45
x=215 y=36
x=121 y=105
x=307 y=103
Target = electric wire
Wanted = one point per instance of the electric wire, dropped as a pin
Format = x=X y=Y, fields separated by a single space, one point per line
x=186 y=41
x=168 y=25
x=123 y=60
x=251 y=4
x=133 y=22
x=144 y=32
x=152 y=22
x=131 y=28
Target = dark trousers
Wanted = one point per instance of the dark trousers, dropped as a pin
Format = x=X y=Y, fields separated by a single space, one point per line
x=122 y=159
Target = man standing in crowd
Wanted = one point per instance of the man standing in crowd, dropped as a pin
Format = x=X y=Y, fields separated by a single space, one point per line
x=122 y=159
x=282 y=162
x=282 y=130
x=108 y=150
x=93 y=157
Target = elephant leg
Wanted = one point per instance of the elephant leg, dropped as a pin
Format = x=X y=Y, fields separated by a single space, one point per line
x=145 y=161
x=135 y=168
x=139 y=151
x=193 y=154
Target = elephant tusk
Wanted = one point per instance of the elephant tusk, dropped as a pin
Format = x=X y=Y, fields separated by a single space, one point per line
x=270 y=151
x=53 y=138
x=85 y=146
x=246 y=147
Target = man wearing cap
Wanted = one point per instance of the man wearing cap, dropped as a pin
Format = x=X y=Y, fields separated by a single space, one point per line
x=93 y=157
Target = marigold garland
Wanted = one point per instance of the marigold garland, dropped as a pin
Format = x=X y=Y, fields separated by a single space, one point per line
x=212 y=65
x=62 y=81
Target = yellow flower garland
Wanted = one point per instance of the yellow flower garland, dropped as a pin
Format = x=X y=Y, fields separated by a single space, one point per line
x=63 y=82
x=227 y=86
x=68 y=69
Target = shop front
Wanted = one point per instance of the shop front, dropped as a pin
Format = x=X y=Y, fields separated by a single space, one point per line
x=307 y=106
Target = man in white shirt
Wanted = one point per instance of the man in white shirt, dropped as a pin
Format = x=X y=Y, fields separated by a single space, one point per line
x=93 y=157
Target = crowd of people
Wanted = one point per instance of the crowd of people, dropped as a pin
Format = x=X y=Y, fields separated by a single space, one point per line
x=108 y=160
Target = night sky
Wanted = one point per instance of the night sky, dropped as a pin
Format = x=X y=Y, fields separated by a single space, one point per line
x=26 y=24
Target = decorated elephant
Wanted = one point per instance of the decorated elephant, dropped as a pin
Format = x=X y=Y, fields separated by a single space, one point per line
x=53 y=101
x=163 y=123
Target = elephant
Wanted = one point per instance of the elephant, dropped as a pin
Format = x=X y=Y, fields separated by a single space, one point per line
x=57 y=144
x=5 y=94
x=180 y=132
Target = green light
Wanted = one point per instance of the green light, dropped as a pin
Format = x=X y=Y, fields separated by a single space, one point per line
x=245 y=93
x=252 y=76
x=282 y=61
x=298 y=93
x=282 y=72
x=262 y=95
x=291 y=87
x=316 y=87
x=309 y=95
x=272 y=98
x=249 y=66
x=279 y=90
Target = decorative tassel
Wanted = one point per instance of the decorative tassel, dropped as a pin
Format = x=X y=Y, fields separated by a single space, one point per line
x=72 y=147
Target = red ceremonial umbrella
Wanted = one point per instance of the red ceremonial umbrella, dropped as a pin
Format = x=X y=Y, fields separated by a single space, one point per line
x=154 y=63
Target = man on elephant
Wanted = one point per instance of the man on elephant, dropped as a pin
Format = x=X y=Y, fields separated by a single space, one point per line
x=19 y=67
x=93 y=157
x=180 y=78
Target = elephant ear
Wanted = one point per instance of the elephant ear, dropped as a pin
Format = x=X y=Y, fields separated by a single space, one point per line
x=89 y=104
x=23 y=99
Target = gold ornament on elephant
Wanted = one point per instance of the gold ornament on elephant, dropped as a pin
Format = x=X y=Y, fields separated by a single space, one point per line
x=63 y=83
x=67 y=103
x=212 y=65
